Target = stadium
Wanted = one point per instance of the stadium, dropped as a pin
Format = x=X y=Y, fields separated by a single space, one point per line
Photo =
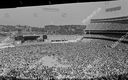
x=95 y=51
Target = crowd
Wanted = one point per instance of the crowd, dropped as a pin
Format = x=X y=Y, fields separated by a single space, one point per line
x=65 y=29
x=107 y=26
x=78 y=54
x=47 y=29
x=88 y=60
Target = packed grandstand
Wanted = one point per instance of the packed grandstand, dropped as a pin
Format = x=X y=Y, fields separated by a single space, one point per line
x=77 y=60
x=92 y=58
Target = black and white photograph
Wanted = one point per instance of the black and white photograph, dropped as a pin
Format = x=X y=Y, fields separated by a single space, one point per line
x=64 y=40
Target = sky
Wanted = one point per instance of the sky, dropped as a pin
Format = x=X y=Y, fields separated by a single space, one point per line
x=61 y=14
